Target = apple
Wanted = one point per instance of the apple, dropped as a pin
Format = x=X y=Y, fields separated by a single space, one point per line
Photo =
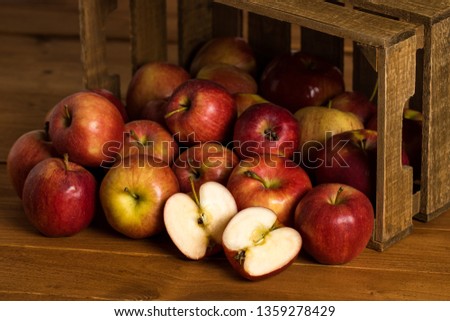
x=266 y=128
x=257 y=245
x=114 y=99
x=269 y=181
x=412 y=139
x=335 y=221
x=317 y=123
x=155 y=110
x=234 y=51
x=200 y=111
x=349 y=158
x=27 y=151
x=152 y=81
x=246 y=100
x=202 y=163
x=59 y=197
x=195 y=224
x=85 y=125
x=133 y=194
x=355 y=102
x=234 y=79
x=372 y=123
x=298 y=80
x=149 y=137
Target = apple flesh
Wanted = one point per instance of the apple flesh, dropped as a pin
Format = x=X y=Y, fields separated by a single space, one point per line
x=232 y=78
x=133 y=194
x=233 y=51
x=27 y=151
x=195 y=224
x=257 y=245
x=59 y=197
x=335 y=221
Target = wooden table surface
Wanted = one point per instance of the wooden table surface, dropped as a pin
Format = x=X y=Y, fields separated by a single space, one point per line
x=39 y=65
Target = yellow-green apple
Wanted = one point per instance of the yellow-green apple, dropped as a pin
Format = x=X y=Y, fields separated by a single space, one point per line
x=298 y=80
x=27 y=150
x=155 y=110
x=149 y=137
x=257 y=245
x=133 y=194
x=245 y=100
x=229 y=50
x=200 y=111
x=196 y=223
x=266 y=129
x=59 y=197
x=153 y=80
x=412 y=139
x=317 y=123
x=114 y=99
x=84 y=125
x=202 y=163
x=269 y=181
x=234 y=79
x=355 y=102
x=335 y=221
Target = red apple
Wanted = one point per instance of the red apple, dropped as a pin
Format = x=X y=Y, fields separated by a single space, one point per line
x=115 y=100
x=133 y=194
x=200 y=111
x=246 y=100
x=28 y=150
x=234 y=51
x=234 y=79
x=269 y=181
x=59 y=197
x=335 y=221
x=149 y=137
x=297 y=80
x=266 y=128
x=355 y=102
x=85 y=125
x=257 y=245
x=203 y=163
x=153 y=81
x=155 y=110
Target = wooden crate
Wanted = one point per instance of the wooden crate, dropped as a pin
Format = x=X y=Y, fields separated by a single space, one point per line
x=432 y=95
x=390 y=47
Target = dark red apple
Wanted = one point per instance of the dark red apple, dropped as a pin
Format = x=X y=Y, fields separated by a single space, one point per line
x=115 y=100
x=155 y=110
x=354 y=102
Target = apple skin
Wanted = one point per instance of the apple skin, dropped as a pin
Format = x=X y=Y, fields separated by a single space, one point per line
x=202 y=163
x=355 y=102
x=317 y=123
x=298 y=80
x=234 y=51
x=115 y=100
x=200 y=111
x=234 y=79
x=153 y=81
x=84 y=125
x=149 y=137
x=349 y=158
x=335 y=221
x=246 y=100
x=266 y=129
x=269 y=181
x=133 y=194
x=59 y=197
x=27 y=151
x=412 y=139
x=155 y=110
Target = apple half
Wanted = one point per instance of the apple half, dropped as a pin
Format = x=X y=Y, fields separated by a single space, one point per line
x=257 y=245
x=195 y=224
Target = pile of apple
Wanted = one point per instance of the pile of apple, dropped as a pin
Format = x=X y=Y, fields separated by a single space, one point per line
x=257 y=161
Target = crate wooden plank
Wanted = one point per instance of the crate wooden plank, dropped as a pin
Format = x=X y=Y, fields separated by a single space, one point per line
x=227 y=21
x=434 y=85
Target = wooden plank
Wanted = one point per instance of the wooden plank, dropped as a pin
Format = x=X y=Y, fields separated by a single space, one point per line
x=227 y=21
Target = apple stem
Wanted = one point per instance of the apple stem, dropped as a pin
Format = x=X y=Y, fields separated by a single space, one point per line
x=340 y=190
x=135 y=137
x=134 y=195
x=175 y=111
x=330 y=103
x=196 y=199
x=66 y=161
x=253 y=175
x=68 y=116
x=374 y=92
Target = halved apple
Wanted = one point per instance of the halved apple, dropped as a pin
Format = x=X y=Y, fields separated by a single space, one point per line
x=257 y=245
x=195 y=224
